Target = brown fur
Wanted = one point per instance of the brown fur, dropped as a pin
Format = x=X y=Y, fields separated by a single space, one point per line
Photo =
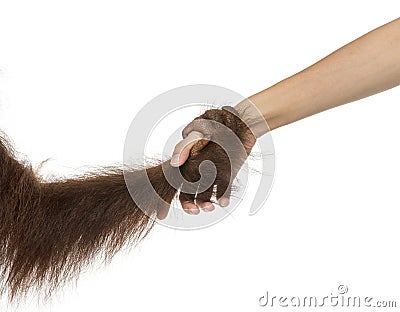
x=49 y=231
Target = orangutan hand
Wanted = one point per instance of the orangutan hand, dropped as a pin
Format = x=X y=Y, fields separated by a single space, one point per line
x=208 y=137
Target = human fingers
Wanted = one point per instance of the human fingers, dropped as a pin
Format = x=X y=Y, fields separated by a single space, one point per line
x=182 y=149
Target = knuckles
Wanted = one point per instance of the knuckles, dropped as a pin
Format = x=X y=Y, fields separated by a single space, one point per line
x=226 y=167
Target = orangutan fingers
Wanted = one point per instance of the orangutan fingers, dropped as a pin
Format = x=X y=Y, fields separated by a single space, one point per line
x=203 y=200
x=188 y=203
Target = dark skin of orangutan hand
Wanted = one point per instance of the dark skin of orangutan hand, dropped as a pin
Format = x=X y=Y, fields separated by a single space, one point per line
x=209 y=126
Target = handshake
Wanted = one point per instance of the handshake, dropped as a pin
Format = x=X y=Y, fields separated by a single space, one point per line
x=205 y=163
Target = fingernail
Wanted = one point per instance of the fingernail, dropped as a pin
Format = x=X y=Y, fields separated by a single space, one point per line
x=223 y=202
x=175 y=160
x=208 y=207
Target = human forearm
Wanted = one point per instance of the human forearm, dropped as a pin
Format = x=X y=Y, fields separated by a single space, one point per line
x=364 y=67
x=368 y=65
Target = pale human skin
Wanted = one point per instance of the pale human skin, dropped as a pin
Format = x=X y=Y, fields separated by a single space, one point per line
x=365 y=66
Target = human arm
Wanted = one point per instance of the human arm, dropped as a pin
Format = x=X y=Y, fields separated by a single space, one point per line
x=365 y=66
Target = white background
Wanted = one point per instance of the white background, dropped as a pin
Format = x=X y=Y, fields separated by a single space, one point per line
x=73 y=74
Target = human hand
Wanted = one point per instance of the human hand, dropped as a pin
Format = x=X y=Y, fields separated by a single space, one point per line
x=219 y=136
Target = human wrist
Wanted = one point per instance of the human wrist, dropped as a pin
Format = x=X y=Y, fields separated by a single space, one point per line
x=251 y=115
